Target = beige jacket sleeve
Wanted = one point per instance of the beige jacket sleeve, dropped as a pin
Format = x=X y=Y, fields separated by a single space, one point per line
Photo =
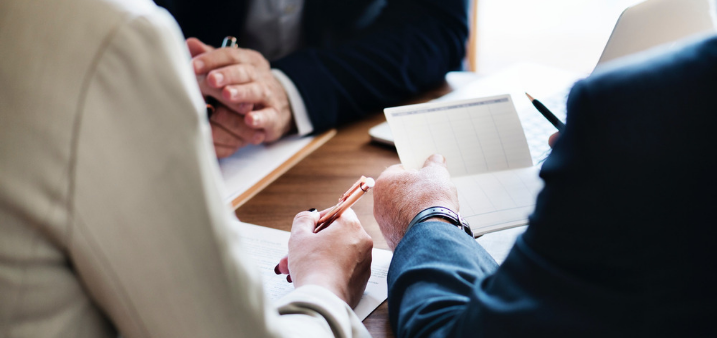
x=149 y=235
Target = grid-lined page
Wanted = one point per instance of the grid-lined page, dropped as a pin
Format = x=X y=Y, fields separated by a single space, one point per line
x=498 y=200
x=475 y=136
x=486 y=153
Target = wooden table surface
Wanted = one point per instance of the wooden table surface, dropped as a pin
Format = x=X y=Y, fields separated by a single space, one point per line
x=318 y=181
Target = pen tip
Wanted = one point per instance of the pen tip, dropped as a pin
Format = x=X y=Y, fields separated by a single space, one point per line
x=529 y=97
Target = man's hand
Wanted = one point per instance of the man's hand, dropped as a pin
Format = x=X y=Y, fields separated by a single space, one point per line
x=337 y=258
x=242 y=81
x=553 y=138
x=400 y=194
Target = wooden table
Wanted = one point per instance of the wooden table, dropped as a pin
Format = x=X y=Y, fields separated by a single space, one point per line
x=319 y=179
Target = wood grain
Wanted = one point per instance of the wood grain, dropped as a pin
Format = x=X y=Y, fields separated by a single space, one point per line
x=320 y=178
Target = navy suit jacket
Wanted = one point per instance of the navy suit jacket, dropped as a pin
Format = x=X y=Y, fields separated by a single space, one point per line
x=622 y=242
x=360 y=55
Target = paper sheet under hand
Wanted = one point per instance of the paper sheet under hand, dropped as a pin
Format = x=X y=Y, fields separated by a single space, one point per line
x=486 y=152
x=267 y=246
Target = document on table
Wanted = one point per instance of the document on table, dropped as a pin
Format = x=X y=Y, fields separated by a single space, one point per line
x=267 y=246
x=486 y=151
x=498 y=244
x=253 y=167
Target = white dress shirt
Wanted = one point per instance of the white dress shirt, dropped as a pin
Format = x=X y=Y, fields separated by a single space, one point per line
x=110 y=214
x=274 y=29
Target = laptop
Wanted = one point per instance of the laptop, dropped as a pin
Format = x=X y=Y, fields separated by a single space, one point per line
x=640 y=27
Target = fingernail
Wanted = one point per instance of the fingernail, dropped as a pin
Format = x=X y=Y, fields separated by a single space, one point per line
x=218 y=79
x=256 y=120
x=312 y=210
x=232 y=92
x=441 y=158
x=258 y=138
x=198 y=66
x=276 y=270
x=288 y=278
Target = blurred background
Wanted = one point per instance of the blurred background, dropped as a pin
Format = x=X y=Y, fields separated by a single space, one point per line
x=568 y=34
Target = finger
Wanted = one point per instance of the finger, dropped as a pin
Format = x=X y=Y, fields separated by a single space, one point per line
x=269 y=120
x=258 y=138
x=224 y=151
x=305 y=222
x=238 y=107
x=223 y=57
x=283 y=266
x=252 y=92
x=225 y=138
x=234 y=124
x=349 y=216
x=323 y=213
x=231 y=75
x=197 y=47
x=392 y=170
x=435 y=159
x=553 y=138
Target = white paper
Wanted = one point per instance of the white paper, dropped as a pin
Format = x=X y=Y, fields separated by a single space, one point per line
x=486 y=153
x=476 y=136
x=252 y=163
x=498 y=244
x=266 y=246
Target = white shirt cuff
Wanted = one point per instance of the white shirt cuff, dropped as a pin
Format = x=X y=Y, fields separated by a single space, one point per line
x=301 y=117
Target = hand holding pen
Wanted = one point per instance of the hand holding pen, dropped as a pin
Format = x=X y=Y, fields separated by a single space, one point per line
x=362 y=186
x=338 y=258
x=341 y=211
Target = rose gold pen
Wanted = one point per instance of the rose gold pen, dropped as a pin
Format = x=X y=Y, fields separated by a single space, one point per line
x=363 y=185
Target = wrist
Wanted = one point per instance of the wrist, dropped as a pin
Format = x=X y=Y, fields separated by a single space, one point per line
x=437 y=219
x=443 y=214
x=325 y=281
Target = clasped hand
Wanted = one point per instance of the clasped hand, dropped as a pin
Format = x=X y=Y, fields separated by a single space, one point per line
x=253 y=105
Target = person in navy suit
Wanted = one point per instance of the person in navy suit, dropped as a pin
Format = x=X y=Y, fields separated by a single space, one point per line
x=320 y=63
x=621 y=242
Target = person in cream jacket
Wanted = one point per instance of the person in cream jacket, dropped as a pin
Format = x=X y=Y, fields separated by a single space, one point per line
x=111 y=220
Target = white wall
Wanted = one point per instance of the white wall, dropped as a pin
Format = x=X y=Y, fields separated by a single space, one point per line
x=569 y=34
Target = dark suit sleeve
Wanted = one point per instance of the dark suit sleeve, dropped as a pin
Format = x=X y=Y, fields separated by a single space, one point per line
x=621 y=243
x=432 y=279
x=409 y=48
x=441 y=284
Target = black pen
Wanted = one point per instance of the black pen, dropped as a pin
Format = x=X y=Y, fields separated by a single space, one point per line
x=547 y=113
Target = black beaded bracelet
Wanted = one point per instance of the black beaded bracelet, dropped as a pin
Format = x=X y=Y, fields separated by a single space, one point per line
x=442 y=212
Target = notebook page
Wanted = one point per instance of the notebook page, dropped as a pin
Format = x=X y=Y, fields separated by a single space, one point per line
x=498 y=200
x=476 y=136
x=486 y=153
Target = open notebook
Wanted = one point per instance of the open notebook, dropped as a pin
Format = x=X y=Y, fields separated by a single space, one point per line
x=486 y=151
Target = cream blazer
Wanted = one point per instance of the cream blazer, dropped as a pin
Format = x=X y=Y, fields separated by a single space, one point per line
x=110 y=216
